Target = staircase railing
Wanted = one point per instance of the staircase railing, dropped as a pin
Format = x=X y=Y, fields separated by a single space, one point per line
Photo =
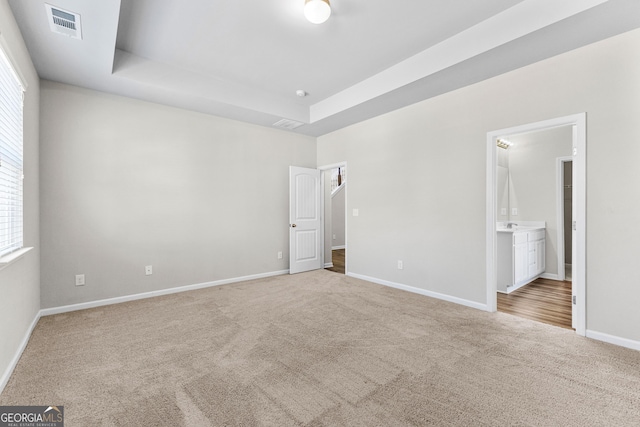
x=338 y=178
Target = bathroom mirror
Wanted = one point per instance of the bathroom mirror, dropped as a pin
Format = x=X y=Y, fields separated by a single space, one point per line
x=502 y=195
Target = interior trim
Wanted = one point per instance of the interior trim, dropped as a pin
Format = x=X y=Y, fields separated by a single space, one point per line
x=144 y=295
x=421 y=291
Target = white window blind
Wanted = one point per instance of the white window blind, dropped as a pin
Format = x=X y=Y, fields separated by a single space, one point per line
x=11 y=92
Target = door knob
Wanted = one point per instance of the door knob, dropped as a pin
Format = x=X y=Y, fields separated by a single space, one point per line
x=293 y=225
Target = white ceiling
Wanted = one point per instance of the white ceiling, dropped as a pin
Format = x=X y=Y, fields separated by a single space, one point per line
x=245 y=60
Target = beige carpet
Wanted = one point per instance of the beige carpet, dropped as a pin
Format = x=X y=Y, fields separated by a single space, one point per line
x=319 y=349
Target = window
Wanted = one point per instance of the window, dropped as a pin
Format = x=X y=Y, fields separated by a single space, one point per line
x=11 y=95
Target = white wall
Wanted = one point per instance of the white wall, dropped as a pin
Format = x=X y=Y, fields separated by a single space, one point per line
x=127 y=183
x=435 y=220
x=533 y=182
x=20 y=281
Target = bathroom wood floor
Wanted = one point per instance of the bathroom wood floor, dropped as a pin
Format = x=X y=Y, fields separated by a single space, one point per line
x=337 y=257
x=543 y=300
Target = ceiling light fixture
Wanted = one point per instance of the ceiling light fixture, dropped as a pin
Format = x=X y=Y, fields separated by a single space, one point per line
x=317 y=11
x=503 y=143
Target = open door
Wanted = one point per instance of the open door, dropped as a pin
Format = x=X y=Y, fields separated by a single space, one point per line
x=305 y=241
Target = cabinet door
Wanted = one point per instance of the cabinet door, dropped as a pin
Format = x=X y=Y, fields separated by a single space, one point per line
x=540 y=256
x=520 y=262
x=532 y=261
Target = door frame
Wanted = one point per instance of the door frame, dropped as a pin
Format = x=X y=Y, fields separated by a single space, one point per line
x=579 y=122
x=323 y=170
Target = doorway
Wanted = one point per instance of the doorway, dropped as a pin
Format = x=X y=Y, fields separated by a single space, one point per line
x=578 y=289
x=566 y=192
x=531 y=268
x=334 y=180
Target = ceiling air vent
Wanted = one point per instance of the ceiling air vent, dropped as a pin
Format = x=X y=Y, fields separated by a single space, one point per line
x=64 y=22
x=287 y=124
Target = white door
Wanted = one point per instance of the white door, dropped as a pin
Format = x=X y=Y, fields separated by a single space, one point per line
x=305 y=243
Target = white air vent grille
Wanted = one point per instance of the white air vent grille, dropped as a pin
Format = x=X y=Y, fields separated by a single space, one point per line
x=287 y=124
x=64 y=22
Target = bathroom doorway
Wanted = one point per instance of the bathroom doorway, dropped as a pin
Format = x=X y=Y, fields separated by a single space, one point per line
x=524 y=210
x=531 y=261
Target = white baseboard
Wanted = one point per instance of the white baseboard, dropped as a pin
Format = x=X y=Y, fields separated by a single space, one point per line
x=333 y=248
x=126 y=298
x=549 y=276
x=600 y=336
x=23 y=344
x=328 y=265
x=514 y=288
x=612 y=339
x=424 y=292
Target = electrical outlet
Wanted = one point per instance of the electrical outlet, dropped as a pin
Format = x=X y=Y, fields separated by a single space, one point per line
x=400 y=265
x=279 y=254
x=356 y=212
x=334 y=237
x=148 y=270
x=79 y=279
x=514 y=211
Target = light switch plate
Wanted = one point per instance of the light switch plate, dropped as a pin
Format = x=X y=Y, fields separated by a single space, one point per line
x=514 y=211
x=356 y=212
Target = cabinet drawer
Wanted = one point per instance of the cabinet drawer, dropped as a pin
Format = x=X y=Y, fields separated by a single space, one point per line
x=519 y=238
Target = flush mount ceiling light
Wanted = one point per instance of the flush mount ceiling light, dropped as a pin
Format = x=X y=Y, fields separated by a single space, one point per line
x=317 y=11
x=503 y=143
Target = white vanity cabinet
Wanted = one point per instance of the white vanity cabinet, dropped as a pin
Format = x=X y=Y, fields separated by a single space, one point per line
x=521 y=257
x=536 y=243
